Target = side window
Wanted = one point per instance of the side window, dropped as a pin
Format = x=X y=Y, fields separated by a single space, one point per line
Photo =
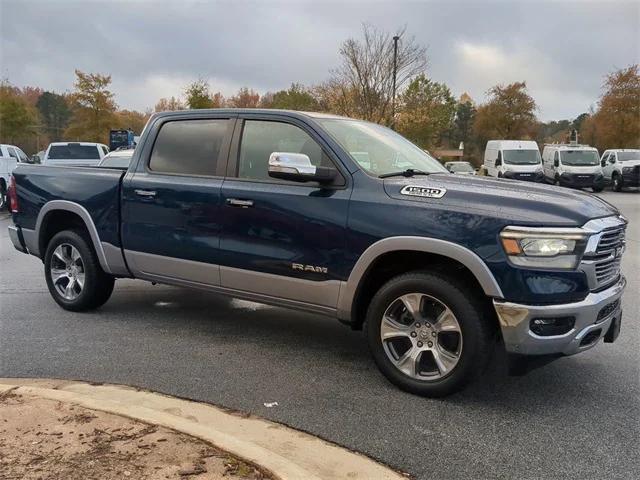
x=499 y=159
x=556 y=157
x=104 y=149
x=23 y=156
x=12 y=153
x=261 y=138
x=612 y=158
x=188 y=147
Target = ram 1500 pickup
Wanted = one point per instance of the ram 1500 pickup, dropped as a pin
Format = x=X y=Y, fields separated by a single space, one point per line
x=339 y=217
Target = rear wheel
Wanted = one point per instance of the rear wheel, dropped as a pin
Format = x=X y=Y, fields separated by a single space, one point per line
x=73 y=273
x=3 y=196
x=427 y=334
x=616 y=185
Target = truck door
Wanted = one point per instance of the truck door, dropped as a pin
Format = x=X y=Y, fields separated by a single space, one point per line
x=171 y=207
x=282 y=239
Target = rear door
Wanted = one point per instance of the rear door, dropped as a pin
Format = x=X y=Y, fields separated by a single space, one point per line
x=282 y=240
x=171 y=207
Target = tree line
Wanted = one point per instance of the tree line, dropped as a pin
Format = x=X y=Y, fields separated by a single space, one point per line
x=362 y=86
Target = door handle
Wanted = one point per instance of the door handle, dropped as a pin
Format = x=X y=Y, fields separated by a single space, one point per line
x=146 y=193
x=236 y=202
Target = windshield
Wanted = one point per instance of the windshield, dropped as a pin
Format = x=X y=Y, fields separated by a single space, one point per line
x=579 y=157
x=74 y=151
x=379 y=150
x=460 y=167
x=522 y=157
x=116 y=162
x=632 y=155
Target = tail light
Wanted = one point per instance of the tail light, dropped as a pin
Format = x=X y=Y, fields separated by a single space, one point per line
x=12 y=195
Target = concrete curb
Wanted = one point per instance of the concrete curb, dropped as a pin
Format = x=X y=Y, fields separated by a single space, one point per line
x=287 y=453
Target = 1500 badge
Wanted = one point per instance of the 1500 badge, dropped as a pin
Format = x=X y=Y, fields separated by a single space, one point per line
x=418 y=191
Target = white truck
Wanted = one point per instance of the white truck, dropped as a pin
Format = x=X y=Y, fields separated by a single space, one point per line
x=621 y=168
x=573 y=165
x=77 y=154
x=514 y=159
x=10 y=157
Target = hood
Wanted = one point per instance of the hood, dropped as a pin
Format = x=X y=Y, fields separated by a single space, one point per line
x=524 y=202
x=630 y=163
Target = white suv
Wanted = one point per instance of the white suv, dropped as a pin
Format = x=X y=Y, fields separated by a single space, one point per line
x=10 y=156
x=621 y=168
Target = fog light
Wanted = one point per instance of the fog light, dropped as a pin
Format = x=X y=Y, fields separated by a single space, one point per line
x=546 y=327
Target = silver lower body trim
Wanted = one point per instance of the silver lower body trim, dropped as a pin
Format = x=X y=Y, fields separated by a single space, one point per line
x=518 y=338
x=318 y=297
x=15 y=239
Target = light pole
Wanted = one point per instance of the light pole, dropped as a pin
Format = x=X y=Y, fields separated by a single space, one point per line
x=395 y=72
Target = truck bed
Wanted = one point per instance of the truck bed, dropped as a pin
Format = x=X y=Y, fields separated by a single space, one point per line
x=95 y=189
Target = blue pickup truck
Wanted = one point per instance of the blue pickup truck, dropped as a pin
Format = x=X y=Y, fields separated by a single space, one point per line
x=343 y=218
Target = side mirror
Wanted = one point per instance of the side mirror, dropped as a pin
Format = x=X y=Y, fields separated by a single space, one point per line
x=603 y=163
x=556 y=163
x=297 y=167
x=498 y=162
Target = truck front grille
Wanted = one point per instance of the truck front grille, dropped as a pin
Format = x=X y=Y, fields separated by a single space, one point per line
x=608 y=255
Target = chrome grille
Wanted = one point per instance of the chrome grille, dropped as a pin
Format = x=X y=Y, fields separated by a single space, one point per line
x=607 y=258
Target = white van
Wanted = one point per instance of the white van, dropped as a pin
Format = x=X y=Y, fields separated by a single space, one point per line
x=570 y=165
x=78 y=154
x=515 y=159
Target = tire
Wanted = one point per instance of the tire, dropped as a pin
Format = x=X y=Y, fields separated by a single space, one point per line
x=616 y=184
x=4 y=204
x=597 y=189
x=471 y=345
x=556 y=181
x=70 y=256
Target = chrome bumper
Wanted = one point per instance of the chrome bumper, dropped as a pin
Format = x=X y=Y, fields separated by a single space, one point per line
x=14 y=235
x=518 y=338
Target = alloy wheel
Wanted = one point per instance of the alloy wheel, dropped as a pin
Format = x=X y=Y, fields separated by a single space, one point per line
x=67 y=271
x=421 y=337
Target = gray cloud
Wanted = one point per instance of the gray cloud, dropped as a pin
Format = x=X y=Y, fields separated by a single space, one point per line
x=152 y=49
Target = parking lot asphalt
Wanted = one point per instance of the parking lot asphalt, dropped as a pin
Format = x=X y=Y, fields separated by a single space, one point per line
x=578 y=417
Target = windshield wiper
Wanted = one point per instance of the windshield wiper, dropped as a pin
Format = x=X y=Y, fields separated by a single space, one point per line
x=409 y=172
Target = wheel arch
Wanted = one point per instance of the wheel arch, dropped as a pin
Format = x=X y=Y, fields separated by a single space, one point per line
x=72 y=214
x=400 y=254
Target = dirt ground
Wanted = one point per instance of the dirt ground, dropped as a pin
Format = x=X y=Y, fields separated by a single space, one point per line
x=44 y=439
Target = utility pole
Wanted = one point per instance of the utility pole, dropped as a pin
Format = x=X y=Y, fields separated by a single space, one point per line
x=395 y=73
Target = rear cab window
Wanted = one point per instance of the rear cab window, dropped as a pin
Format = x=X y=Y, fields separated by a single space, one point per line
x=188 y=147
x=74 y=151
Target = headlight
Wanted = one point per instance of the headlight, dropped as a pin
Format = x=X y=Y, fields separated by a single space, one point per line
x=544 y=247
x=627 y=170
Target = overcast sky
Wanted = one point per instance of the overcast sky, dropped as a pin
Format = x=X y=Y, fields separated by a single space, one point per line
x=153 y=49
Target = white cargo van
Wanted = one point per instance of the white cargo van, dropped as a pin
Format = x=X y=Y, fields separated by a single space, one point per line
x=78 y=154
x=515 y=159
x=573 y=165
x=10 y=157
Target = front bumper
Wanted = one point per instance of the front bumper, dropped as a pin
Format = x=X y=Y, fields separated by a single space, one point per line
x=581 y=180
x=525 y=176
x=631 y=179
x=587 y=331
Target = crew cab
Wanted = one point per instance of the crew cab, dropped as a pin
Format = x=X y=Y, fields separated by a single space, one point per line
x=621 y=168
x=339 y=217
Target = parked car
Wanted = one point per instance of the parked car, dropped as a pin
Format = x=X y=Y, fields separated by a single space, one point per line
x=117 y=158
x=79 y=154
x=514 y=159
x=38 y=158
x=621 y=168
x=573 y=165
x=275 y=207
x=460 y=168
x=10 y=157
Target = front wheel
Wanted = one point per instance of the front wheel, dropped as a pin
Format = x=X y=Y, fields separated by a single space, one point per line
x=427 y=334
x=73 y=273
x=617 y=183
